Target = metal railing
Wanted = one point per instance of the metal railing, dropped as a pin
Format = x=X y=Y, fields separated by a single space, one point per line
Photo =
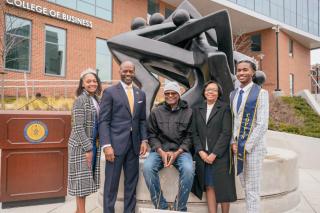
x=315 y=75
x=44 y=85
x=26 y=88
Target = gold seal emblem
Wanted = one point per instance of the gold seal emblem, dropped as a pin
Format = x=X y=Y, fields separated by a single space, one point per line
x=35 y=131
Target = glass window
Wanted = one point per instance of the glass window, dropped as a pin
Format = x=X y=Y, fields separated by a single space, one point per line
x=256 y=42
x=153 y=6
x=99 y=8
x=290 y=12
x=246 y=3
x=168 y=12
x=276 y=9
x=17 y=43
x=55 y=52
x=70 y=3
x=302 y=15
x=291 y=47
x=313 y=16
x=86 y=7
x=103 y=60
x=88 y=1
x=104 y=4
x=104 y=14
x=291 y=84
x=262 y=6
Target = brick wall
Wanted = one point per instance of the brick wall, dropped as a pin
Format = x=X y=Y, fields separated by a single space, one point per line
x=81 y=41
x=298 y=64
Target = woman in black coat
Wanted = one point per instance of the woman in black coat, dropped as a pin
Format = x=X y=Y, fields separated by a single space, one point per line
x=212 y=130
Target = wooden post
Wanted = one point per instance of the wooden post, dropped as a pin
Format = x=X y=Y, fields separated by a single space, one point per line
x=26 y=88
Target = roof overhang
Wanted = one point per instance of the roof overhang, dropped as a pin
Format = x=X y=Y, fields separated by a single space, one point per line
x=244 y=20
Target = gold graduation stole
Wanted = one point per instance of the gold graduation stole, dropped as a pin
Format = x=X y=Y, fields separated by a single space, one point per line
x=246 y=123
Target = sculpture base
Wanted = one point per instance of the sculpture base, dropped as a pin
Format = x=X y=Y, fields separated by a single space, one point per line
x=152 y=210
x=279 y=186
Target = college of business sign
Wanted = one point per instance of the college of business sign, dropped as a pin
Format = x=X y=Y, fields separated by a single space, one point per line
x=50 y=12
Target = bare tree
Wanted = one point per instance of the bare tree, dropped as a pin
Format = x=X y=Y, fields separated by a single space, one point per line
x=242 y=42
x=2 y=35
x=14 y=32
x=12 y=37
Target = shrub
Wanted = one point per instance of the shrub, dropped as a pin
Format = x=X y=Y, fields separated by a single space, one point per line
x=42 y=103
x=293 y=115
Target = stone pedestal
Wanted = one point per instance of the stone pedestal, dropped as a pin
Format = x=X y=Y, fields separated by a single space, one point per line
x=279 y=192
x=151 y=210
x=278 y=93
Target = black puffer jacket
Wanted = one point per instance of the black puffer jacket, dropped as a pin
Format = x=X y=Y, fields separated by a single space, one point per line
x=170 y=129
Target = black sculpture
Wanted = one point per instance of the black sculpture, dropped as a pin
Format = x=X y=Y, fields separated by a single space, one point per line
x=186 y=47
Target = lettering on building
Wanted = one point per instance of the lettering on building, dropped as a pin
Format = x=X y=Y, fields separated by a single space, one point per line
x=50 y=12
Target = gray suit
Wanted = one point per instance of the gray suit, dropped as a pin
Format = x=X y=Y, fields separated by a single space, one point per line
x=255 y=146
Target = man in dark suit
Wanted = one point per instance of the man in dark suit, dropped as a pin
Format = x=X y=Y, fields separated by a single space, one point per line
x=123 y=136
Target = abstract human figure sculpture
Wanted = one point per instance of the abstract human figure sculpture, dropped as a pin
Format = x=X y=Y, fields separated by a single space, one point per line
x=186 y=47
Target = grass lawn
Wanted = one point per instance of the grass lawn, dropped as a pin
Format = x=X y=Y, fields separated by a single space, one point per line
x=293 y=115
x=43 y=103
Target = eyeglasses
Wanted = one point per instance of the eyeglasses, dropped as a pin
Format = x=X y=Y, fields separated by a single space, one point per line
x=211 y=90
x=170 y=93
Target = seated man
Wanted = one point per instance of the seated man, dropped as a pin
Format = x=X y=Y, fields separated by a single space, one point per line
x=170 y=133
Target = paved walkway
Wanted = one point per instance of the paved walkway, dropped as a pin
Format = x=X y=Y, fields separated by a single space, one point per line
x=310 y=192
x=309 y=189
x=309 y=178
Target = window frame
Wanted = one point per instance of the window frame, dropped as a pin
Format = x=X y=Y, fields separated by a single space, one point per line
x=252 y=43
x=44 y=55
x=157 y=4
x=30 y=44
x=290 y=47
x=95 y=11
x=111 y=60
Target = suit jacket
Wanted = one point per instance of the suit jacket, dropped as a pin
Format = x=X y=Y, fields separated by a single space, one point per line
x=216 y=131
x=256 y=140
x=116 y=123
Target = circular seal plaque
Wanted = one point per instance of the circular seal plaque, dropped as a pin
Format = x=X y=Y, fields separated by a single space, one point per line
x=35 y=131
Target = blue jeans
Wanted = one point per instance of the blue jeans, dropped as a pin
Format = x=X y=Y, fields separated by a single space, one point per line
x=184 y=164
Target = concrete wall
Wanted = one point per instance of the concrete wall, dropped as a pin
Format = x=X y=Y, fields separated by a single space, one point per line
x=307 y=148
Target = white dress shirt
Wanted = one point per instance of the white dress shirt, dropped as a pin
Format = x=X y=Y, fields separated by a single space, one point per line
x=127 y=88
x=260 y=120
x=96 y=105
x=245 y=94
x=209 y=109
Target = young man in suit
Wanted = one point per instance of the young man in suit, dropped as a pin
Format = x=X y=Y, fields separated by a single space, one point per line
x=123 y=136
x=250 y=109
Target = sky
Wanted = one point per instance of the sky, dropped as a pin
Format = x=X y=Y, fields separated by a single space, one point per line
x=315 y=56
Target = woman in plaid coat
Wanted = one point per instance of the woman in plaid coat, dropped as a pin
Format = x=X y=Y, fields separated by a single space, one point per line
x=83 y=147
